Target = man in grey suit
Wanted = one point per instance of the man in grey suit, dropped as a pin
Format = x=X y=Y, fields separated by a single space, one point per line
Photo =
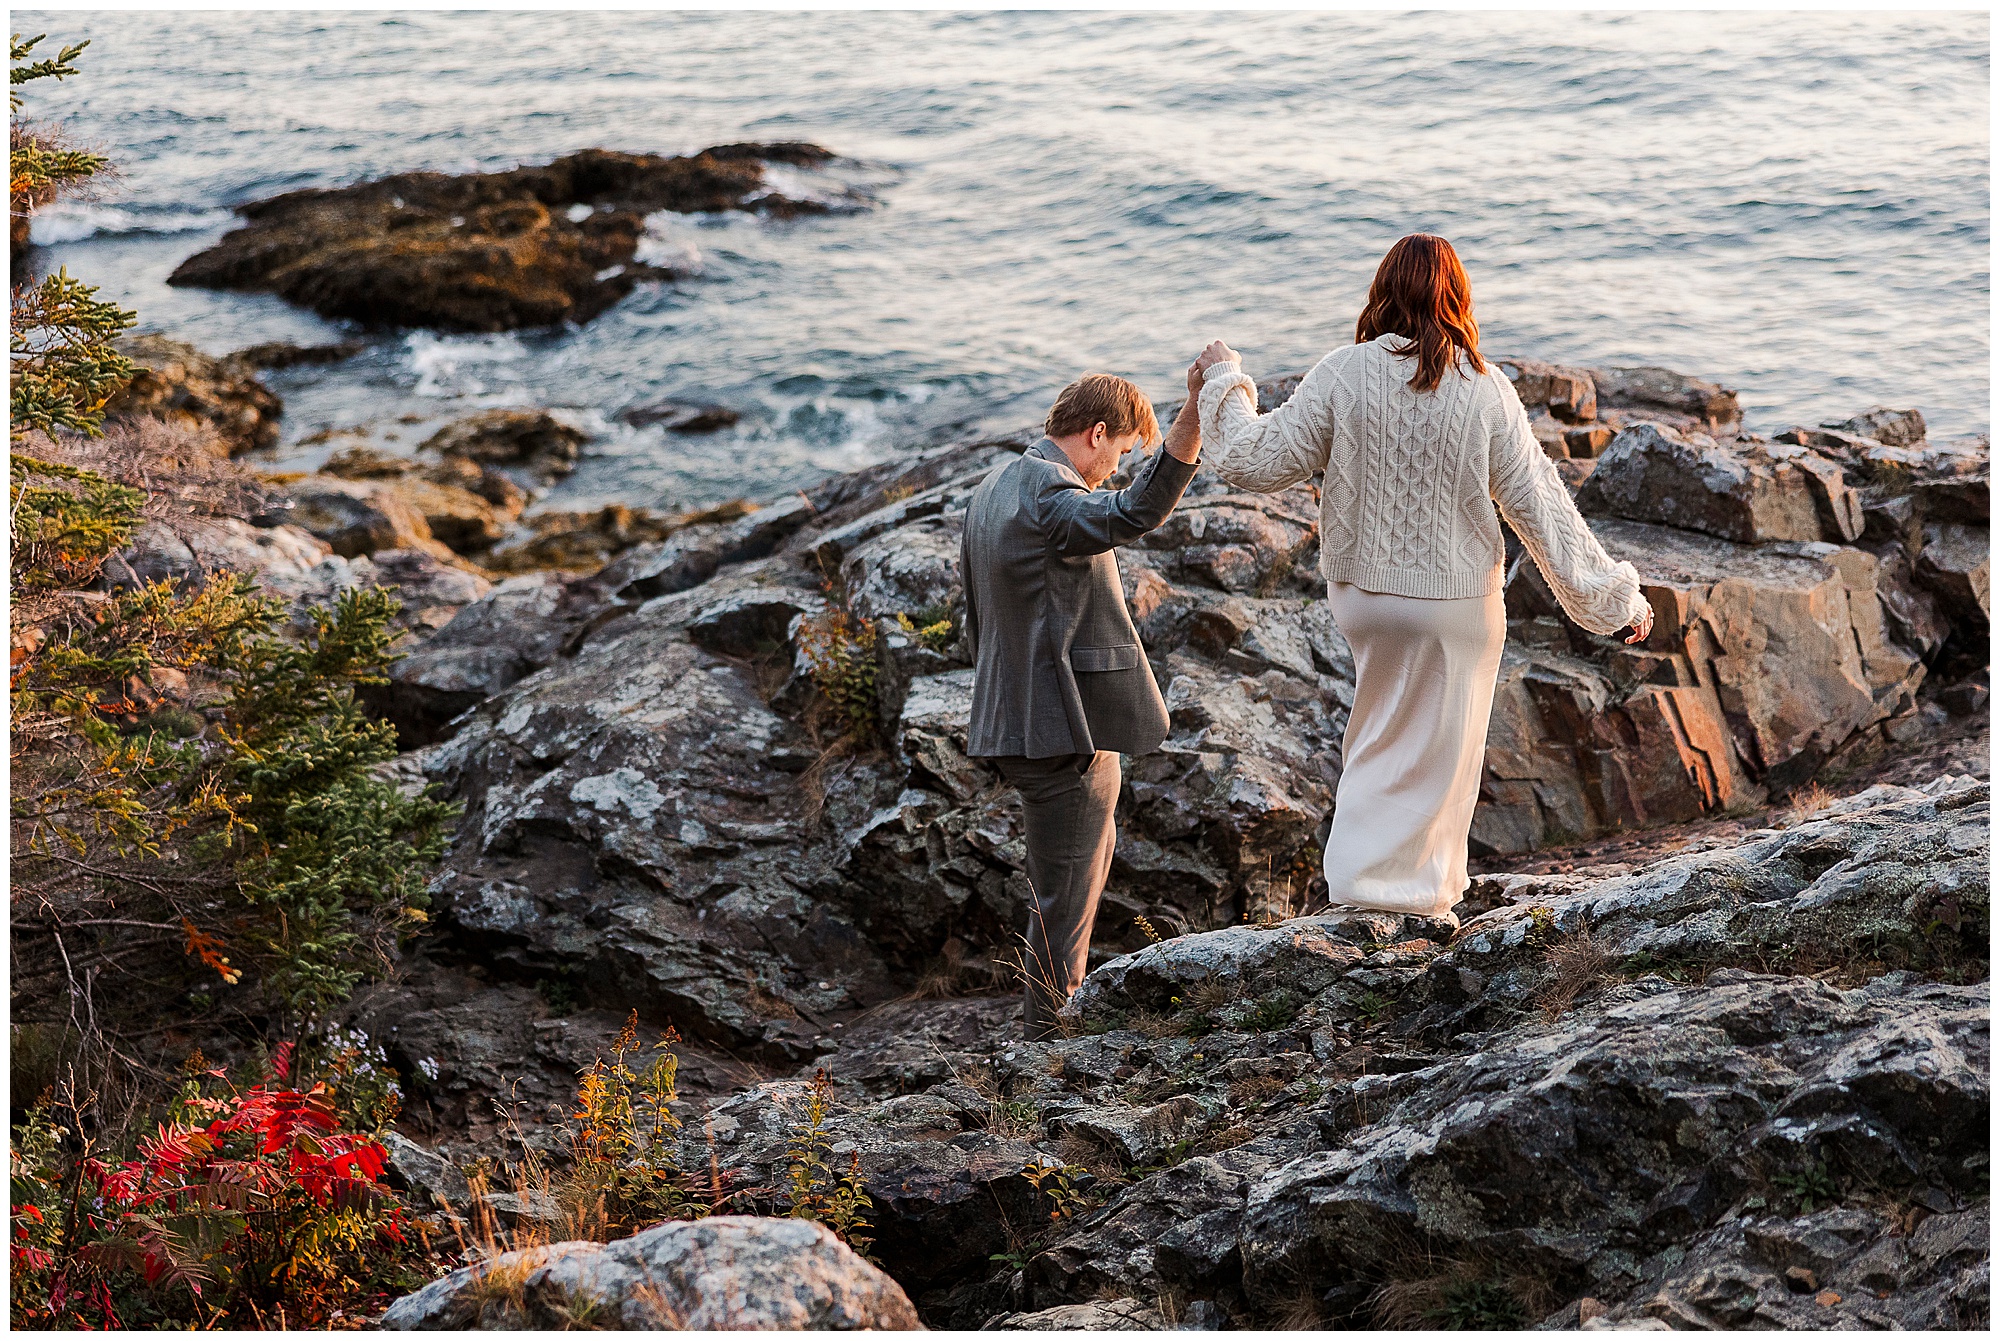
x=1061 y=686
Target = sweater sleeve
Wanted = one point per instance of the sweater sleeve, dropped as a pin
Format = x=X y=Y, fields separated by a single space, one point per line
x=1598 y=592
x=1266 y=453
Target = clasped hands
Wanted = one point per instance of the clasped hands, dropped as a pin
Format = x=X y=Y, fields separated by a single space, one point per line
x=1217 y=352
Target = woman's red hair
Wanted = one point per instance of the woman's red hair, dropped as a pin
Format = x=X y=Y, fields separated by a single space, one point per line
x=1421 y=293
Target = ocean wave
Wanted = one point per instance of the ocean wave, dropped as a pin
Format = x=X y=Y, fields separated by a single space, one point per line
x=448 y=366
x=76 y=221
x=664 y=243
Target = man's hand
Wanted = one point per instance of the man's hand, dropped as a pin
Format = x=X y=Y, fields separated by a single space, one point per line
x=1643 y=629
x=1217 y=352
x=1194 y=376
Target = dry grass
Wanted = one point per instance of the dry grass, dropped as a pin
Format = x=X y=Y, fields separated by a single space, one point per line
x=1208 y=994
x=1153 y=1024
x=763 y=1002
x=1299 y=1310
x=1807 y=801
x=958 y=971
x=1254 y=1089
x=814 y=780
x=1458 y=1295
x=1226 y=1139
x=1103 y=1164
x=1577 y=964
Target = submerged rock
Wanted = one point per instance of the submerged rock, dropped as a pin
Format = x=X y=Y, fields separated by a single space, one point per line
x=533 y=440
x=493 y=251
x=679 y=416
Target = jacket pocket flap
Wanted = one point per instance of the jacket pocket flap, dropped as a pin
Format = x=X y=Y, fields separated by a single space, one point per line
x=1125 y=656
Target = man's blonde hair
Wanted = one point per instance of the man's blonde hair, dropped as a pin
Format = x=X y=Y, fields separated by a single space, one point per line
x=1100 y=398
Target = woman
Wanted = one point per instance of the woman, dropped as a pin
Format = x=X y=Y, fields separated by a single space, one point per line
x=1418 y=438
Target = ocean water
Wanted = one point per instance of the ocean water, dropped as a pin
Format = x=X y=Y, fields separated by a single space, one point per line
x=1793 y=204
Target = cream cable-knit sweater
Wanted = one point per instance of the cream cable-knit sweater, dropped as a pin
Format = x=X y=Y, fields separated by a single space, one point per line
x=1406 y=508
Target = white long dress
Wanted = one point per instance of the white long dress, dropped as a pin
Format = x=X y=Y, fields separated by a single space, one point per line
x=1424 y=672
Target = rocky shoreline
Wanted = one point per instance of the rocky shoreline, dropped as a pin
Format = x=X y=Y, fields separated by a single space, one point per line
x=1262 y=1118
x=1711 y=1048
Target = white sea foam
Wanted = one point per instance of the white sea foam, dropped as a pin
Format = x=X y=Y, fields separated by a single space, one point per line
x=74 y=221
x=665 y=243
x=805 y=184
x=451 y=365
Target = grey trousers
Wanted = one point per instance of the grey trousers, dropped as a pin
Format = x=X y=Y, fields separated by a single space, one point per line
x=1067 y=804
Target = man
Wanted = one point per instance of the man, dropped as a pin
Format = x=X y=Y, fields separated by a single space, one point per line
x=1061 y=686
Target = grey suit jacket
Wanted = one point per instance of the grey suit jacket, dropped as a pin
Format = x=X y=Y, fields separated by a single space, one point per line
x=1058 y=666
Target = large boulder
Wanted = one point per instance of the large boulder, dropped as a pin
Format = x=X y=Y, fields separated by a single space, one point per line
x=181 y=385
x=1763 y=662
x=727 y=1273
x=492 y=251
x=1573 y=1151
x=1955 y=566
x=466 y=506
x=1569 y=394
x=943 y=1181
x=357 y=517
x=1744 y=490
x=1661 y=391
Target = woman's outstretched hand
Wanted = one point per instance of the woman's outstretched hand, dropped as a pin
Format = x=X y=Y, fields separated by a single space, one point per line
x=1643 y=629
x=1217 y=352
x=1195 y=372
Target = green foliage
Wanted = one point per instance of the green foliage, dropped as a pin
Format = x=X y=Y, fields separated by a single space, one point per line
x=61 y=364
x=814 y=1190
x=1478 y=1306
x=277 y=801
x=1062 y=1193
x=57 y=67
x=79 y=774
x=65 y=522
x=559 y=992
x=840 y=654
x=1373 y=1008
x=1810 y=1187
x=1061 y=1187
x=319 y=838
x=930 y=626
x=1273 y=1012
x=624 y=1173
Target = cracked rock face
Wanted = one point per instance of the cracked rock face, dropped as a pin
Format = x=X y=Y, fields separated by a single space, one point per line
x=1607 y=1099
